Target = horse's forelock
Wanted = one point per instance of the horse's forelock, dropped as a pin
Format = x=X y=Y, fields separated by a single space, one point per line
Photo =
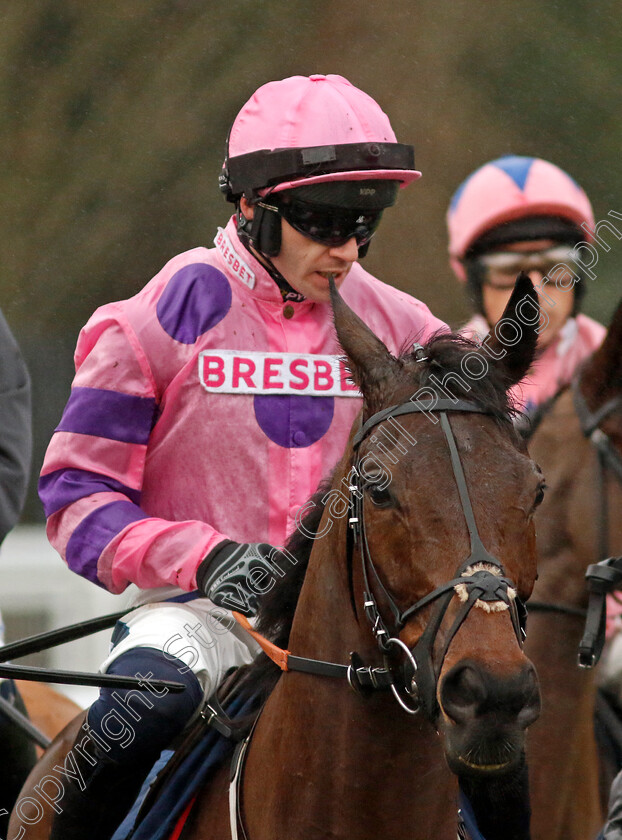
x=443 y=354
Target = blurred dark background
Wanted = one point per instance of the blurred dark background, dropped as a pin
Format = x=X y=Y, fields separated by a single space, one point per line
x=114 y=117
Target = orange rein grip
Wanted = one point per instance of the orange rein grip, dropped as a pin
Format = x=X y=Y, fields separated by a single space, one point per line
x=276 y=654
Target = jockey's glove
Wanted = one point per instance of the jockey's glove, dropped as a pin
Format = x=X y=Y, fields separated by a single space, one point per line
x=234 y=575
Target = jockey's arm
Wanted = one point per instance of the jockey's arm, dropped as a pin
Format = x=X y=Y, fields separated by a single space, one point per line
x=92 y=477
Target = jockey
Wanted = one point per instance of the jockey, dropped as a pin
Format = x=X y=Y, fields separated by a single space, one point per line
x=525 y=214
x=206 y=409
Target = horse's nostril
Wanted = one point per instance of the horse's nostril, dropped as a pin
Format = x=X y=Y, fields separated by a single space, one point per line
x=532 y=703
x=463 y=693
x=469 y=692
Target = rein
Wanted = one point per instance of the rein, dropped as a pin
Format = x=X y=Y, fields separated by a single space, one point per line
x=605 y=576
x=589 y=425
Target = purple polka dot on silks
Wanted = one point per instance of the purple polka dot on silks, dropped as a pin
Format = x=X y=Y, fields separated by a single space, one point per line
x=294 y=421
x=195 y=299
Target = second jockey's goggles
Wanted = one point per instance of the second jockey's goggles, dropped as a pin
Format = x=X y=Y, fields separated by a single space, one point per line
x=330 y=226
x=502 y=267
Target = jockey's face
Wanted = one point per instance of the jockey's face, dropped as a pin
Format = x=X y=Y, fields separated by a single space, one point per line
x=306 y=264
x=540 y=257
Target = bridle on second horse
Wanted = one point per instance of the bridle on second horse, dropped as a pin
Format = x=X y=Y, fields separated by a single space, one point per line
x=605 y=576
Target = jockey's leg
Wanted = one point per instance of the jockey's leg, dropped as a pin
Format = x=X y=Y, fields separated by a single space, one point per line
x=127 y=730
x=192 y=643
x=17 y=754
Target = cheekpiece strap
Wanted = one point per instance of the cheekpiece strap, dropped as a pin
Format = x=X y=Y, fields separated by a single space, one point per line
x=590 y=420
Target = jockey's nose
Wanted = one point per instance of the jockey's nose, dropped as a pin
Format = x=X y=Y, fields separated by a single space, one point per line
x=536 y=276
x=348 y=252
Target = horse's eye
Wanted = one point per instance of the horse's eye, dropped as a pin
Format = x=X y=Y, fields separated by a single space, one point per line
x=540 y=494
x=380 y=496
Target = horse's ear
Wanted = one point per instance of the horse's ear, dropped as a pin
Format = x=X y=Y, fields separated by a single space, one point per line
x=371 y=364
x=602 y=374
x=513 y=341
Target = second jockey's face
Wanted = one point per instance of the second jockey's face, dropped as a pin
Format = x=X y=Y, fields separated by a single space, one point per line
x=556 y=304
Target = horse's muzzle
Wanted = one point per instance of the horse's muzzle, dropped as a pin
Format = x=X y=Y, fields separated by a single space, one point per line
x=484 y=716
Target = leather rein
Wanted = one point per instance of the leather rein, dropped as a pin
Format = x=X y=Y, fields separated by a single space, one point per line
x=605 y=576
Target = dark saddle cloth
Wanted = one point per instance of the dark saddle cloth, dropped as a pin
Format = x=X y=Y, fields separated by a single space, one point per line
x=177 y=777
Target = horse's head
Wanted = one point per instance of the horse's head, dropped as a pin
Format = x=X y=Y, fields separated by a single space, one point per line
x=443 y=548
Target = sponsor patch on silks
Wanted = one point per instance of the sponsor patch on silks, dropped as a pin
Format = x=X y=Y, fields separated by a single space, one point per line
x=233 y=260
x=258 y=372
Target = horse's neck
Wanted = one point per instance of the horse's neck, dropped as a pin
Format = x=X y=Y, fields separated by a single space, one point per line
x=561 y=748
x=326 y=762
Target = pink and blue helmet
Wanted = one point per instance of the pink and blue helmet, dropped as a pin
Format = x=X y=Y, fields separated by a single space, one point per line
x=510 y=189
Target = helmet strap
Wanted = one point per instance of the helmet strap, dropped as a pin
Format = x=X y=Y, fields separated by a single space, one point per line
x=261 y=236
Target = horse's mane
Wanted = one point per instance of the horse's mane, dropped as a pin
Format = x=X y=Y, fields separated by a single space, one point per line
x=441 y=355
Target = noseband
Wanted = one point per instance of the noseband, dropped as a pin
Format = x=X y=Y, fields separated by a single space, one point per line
x=480 y=578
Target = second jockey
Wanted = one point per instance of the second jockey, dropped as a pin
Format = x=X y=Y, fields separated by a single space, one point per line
x=526 y=214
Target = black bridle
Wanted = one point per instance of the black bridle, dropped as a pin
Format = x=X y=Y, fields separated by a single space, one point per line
x=481 y=576
x=605 y=576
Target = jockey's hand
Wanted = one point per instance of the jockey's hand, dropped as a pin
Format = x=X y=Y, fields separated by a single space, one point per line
x=233 y=575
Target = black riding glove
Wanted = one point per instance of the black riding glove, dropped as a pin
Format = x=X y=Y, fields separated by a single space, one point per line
x=233 y=575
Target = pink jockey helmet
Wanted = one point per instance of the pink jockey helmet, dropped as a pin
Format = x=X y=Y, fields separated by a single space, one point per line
x=307 y=130
x=509 y=189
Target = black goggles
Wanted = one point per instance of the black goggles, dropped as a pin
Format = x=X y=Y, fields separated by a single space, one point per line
x=332 y=226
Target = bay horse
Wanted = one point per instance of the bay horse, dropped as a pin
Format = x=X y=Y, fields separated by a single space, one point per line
x=50 y=712
x=569 y=787
x=418 y=561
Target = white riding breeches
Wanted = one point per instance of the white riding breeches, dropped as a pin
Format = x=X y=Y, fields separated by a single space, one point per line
x=204 y=637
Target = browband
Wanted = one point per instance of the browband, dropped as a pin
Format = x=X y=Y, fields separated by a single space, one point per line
x=417 y=406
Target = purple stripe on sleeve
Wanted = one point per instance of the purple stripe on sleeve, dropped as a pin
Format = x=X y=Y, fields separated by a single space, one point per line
x=108 y=414
x=94 y=533
x=65 y=486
